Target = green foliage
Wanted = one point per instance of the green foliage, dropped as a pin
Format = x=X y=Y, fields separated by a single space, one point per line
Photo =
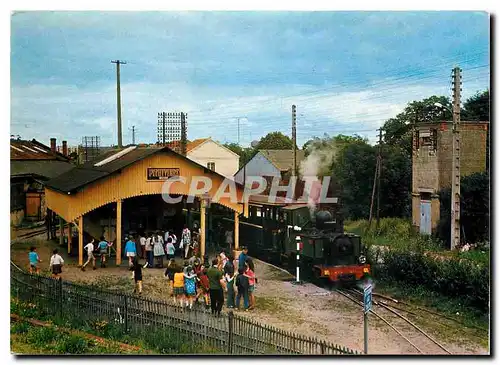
x=474 y=206
x=245 y=153
x=451 y=277
x=72 y=344
x=477 y=107
x=354 y=170
x=19 y=327
x=275 y=141
x=41 y=335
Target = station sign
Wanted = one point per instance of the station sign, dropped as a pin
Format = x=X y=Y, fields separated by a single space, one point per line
x=161 y=173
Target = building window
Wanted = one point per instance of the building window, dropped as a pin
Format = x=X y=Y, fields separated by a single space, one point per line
x=211 y=166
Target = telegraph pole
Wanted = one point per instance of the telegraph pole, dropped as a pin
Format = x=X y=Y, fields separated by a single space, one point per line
x=294 y=139
x=238 y=118
x=379 y=163
x=118 y=100
x=455 y=175
x=183 y=134
x=164 y=132
x=133 y=134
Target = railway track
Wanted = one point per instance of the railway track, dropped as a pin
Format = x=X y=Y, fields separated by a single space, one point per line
x=31 y=234
x=389 y=313
x=356 y=296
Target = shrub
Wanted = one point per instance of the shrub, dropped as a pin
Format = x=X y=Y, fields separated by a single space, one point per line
x=452 y=277
x=41 y=335
x=19 y=327
x=72 y=344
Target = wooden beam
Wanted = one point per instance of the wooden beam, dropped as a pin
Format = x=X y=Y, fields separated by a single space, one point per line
x=61 y=231
x=118 y=232
x=70 y=237
x=236 y=231
x=80 y=241
x=202 y=228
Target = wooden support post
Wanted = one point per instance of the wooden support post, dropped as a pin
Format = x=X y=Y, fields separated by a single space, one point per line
x=61 y=231
x=202 y=228
x=118 y=232
x=70 y=237
x=80 y=241
x=236 y=231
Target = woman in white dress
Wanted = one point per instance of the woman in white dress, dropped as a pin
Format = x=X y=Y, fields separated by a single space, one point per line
x=186 y=240
x=158 y=250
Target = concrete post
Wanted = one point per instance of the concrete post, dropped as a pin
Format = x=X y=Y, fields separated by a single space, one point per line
x=118 y=232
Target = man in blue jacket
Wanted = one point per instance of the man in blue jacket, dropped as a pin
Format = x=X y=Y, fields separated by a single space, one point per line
x=243 y=257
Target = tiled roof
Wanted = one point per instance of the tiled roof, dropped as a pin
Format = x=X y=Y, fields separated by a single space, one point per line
x=283 y=159
x=192 y=145
x=33 y=150
x=45 y=169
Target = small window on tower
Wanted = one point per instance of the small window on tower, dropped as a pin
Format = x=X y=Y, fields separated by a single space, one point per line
x=211 y=166
x=425 y=138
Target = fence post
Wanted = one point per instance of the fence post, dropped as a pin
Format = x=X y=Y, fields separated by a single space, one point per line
x=322 y=344
x=230 y=318
x=60 y=294
x=125 y=312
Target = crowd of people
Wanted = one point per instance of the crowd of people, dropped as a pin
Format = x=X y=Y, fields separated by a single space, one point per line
x=194 y=283
x=189 y=283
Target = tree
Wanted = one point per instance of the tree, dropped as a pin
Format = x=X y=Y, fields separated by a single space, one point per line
x=477 y=107
x=474 y=209
x=397 y=130
x=245 y=153
x=354 y=169
x=275 y=141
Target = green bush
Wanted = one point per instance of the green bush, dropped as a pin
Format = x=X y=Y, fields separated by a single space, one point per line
x=452 y=277
x=19 y=327
x=72 y=344
x=41 y=335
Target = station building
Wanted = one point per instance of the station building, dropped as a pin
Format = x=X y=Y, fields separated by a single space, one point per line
x=120 y=193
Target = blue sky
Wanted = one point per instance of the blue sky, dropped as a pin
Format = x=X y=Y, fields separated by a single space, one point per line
x=347 y=72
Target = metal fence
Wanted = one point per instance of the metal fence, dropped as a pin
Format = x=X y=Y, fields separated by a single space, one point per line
x=144 y=318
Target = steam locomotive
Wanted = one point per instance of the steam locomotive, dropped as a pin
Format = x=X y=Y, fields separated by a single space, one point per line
x=326 y=252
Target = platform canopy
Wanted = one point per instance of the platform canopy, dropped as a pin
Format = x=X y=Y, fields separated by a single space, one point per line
x=126 y=173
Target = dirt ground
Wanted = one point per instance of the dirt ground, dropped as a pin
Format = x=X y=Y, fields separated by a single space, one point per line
x=306 y=309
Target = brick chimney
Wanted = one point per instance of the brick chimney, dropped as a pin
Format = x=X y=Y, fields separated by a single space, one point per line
x=65 y=148
x=53 y=145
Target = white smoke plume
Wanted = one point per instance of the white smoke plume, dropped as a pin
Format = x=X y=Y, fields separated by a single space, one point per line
x=314 y=166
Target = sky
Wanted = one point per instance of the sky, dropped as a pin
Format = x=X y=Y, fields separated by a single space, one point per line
x=347 y=72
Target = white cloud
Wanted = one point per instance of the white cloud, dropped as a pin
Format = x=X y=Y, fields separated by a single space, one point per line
x=44 y=111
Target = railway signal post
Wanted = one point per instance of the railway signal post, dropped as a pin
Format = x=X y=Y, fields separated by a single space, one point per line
x=299 y=244
x=367 y=300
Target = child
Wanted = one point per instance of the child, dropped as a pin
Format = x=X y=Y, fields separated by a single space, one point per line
x=189 y=286
x=103 y=250
x=242 y=285
x=34 y=260
x=169 y=274
x=179 y=287
x=130 y=251
x=56 y=263
x=137 y=275
x=229 y=277
x=90 y=254
x=204 y=286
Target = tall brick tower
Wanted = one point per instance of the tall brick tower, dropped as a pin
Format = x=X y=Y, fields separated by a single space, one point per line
x=432 y=164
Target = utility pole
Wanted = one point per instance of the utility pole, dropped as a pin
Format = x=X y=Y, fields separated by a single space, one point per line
x=133 y=134
x=238 y=118
x=164 y=132
x=379 y=162
x=376 y=182
x=455 y=175
x=183 y=135
x=294 y=139
x=118 y=100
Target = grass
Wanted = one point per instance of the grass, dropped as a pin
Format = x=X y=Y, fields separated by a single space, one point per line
x=27 y=339
x=450 y=307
